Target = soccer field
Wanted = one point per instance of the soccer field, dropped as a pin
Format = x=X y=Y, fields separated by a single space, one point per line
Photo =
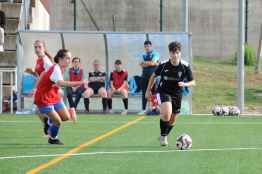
x=129 y=144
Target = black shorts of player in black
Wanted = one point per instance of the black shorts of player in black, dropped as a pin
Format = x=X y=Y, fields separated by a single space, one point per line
x=174 y=99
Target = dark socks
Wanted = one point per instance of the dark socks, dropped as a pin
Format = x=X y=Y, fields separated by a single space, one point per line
x=125 y=101
x=169 y=129
x=165 y=128
x=104 y=103
x=86 y=102
x=109 y=102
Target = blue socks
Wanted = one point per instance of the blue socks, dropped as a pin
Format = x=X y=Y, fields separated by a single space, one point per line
x=53 y=131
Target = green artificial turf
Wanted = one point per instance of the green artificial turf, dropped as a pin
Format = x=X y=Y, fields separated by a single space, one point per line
x=220 y=145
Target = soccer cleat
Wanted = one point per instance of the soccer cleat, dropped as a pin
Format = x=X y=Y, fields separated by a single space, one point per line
x=124 y=112
x=143 y=112
x=55 y=141
x=163 y=140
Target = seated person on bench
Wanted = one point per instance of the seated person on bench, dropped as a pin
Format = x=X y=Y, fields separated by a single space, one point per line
x=76 y=73
x=96 y=85
x=118 y=84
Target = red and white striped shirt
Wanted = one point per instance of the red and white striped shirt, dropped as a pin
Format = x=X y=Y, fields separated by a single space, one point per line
x=47 y=91
x=42 y=64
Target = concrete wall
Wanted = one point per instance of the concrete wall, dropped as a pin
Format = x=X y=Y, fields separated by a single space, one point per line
x=214 y=24
x=40 y=17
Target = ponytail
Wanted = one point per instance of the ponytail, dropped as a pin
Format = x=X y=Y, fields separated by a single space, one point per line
x=49 y=56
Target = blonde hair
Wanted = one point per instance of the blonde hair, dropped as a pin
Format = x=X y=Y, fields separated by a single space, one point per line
x=46 y=53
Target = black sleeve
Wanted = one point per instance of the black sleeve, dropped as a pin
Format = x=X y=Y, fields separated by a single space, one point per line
x=158 y=69
x=189 y=74
x=111 y=76
x=89 y=74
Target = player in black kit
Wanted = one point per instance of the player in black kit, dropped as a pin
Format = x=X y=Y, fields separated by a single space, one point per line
x=175 y=75
x=96 y=85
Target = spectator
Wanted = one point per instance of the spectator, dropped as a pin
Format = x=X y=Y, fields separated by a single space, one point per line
x=2 y=30
x=149 y=61
x=118 y=84
x=96 y=85
x=76 y=73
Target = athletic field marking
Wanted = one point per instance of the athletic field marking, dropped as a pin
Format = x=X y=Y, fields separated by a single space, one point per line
x=147 y=122
x=133 y=152
x=81 y=146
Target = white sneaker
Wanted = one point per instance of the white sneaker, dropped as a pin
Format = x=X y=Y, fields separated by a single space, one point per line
x=124 y=112
x=110 y=111
x=143 y=112
x=163 y=140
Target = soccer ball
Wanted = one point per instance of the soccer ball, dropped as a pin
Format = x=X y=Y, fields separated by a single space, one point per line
x=184 y=142
x=225 y=110
x=234 y=111
x=217 y=111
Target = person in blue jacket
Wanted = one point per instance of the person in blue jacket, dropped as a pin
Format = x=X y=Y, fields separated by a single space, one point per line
x=149 y=62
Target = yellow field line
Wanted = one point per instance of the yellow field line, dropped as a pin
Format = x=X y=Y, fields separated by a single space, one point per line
x=81 y=146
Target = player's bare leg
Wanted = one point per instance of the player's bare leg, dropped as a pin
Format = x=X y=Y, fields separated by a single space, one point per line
x=124 y=93
x=63 y=114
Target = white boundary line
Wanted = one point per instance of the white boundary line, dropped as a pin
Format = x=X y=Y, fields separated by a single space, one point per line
x=147 y=122
x=134 y=152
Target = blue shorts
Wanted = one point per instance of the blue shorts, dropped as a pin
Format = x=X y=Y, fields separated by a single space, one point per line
x=52 y=108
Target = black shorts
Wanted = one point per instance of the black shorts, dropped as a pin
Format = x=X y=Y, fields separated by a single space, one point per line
x=174 y=99
x=95 y=88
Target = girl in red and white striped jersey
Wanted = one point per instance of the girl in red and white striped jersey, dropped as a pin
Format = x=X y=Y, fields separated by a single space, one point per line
x=47 y=97
x=43 y=63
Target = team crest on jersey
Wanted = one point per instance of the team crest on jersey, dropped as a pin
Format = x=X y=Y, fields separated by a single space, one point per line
x=179 y=74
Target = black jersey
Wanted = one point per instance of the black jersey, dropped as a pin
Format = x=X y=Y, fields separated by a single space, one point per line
x=171 y=75
x=96 y=79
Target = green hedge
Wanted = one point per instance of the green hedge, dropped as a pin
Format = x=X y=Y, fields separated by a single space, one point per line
x=250 y=56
